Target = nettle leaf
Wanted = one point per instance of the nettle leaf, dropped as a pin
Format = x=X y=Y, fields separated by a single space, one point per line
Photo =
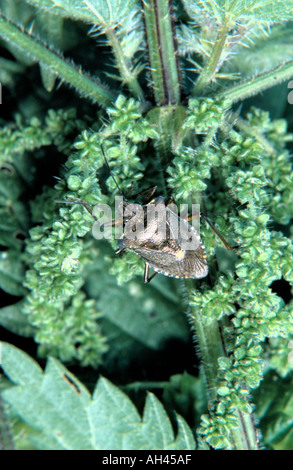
x=148 y=316
x=223 y=10
x=13 y=319
x=9 y=71
x=100 y=12
x=63 y=414
x=121 y=22
x=51 y=27
x=274 y=409
x=265 y=52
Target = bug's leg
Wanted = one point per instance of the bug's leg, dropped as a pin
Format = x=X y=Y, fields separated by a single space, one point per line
x=149 y=194
x=120 y=250
x=227 y=246
x=170 y=200
x=88 y=208
x=82 y=203
x=110 y=172
x=112 y=223
x=192 y=217
x=146 y=273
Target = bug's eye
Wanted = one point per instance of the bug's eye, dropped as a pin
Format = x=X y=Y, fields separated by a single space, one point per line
x=134 y=228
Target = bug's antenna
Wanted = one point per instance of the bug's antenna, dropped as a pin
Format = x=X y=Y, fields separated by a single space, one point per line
x=78 y=201
x=111 y=174
x=228 y=247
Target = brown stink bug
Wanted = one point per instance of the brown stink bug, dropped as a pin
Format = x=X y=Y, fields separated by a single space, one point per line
x=161 y=250
x=166 y=242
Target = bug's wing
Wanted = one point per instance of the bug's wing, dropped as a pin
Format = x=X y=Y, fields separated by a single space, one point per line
x=172 y=263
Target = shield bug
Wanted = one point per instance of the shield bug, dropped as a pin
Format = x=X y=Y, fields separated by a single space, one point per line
x=160 y=236
x=165 y=241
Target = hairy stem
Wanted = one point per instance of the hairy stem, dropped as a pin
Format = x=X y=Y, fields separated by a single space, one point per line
x=211 y=348
x=161 y=43
x=87 y=86
x=123 y=65
x=211 y=343
x=213 y=62
x=259 y=83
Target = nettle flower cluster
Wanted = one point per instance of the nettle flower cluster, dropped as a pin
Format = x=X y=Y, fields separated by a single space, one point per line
x=239 y=167
x=256 y=200
x=247 y=175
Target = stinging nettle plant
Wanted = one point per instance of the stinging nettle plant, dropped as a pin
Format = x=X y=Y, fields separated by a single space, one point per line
x=162 y=95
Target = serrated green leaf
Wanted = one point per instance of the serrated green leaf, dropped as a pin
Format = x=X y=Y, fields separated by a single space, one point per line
x=274 y=408
x=265 y=52
x=120 y=20
x=137 y=320
x=91 y=11
x=184 y=439
x=51 y=28
x=12 y=318
x=261 y=10
x=37 y=51
x=22 y=369
x=60 y=408
x=156 y=422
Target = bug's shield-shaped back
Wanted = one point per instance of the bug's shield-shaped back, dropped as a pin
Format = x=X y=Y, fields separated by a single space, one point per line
x=165 y=241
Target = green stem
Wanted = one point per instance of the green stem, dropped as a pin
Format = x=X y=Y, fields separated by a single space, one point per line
x=211 y=341
x=86 y=86
x=212 y=65
x=162 y=50
x=211 y=347
x=148 y=385
x=245 y=436
x=259 y=83
x=124 y=65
